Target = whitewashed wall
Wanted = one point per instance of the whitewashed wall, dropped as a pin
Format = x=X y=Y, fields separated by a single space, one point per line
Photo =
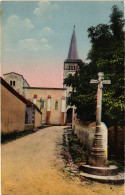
x=86 y=135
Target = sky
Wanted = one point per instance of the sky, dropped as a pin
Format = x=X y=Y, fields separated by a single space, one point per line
x=36 y=36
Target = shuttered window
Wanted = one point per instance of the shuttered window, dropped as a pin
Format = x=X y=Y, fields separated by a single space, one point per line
x=56 y=105
x=41 y=104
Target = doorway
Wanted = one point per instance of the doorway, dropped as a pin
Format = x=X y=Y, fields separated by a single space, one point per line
x=69 y=115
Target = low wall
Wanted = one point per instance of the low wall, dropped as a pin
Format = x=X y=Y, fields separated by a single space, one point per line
x=85 y=133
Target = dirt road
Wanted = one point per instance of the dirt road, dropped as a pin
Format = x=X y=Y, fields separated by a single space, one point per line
x=32 y=165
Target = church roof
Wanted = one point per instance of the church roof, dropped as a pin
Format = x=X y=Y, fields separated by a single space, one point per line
x=73 y=53
x=46 y=88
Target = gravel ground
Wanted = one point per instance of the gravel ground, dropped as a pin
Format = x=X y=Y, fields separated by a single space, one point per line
x=33 y=165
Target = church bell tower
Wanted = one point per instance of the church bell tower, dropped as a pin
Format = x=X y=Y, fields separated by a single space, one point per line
x=71 y=64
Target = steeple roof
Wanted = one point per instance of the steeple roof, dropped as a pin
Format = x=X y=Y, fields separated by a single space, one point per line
x=73 y=54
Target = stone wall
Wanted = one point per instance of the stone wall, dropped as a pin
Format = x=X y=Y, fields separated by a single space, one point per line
x=12 y=112
x=18 y=81
x=85 y=133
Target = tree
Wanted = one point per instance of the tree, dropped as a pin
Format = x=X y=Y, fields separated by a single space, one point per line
x=106 y=55
x=83 y=97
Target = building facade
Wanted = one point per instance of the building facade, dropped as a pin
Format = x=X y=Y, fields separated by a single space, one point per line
x=51 y=102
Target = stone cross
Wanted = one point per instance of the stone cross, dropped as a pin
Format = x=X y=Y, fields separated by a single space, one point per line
x=97 y=154
x=100 y=83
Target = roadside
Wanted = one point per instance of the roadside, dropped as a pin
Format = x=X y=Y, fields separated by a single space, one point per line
x=78 y=152
x=5 y=138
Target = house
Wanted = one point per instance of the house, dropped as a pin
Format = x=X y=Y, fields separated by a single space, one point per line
x=17 y=112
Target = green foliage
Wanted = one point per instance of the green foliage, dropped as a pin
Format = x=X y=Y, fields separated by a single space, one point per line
x=83 y=97
x=77 y=151
x=106 y=55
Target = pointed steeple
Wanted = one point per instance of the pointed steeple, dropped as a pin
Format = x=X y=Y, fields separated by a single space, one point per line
x=73 y=54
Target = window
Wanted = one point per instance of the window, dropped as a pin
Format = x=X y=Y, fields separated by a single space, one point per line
x=11 y=83
x=56 y=105
x=41 y=104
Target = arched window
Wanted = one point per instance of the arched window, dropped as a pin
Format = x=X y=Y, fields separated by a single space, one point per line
x=56 y=105
x=11 y=83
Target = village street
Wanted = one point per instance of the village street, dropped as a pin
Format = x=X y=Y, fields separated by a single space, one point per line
x=33 y=165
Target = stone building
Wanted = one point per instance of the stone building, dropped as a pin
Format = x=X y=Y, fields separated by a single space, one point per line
x=16 y=81
x=71 y=65
x=17 y=112
x=51 y=101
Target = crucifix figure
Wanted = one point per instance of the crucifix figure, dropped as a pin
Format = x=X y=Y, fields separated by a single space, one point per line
x=98 y=157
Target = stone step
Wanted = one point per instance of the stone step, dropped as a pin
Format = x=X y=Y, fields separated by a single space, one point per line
x=102 y=171
x=115 y=179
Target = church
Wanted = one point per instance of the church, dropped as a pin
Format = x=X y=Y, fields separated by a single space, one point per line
x=50 y=101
